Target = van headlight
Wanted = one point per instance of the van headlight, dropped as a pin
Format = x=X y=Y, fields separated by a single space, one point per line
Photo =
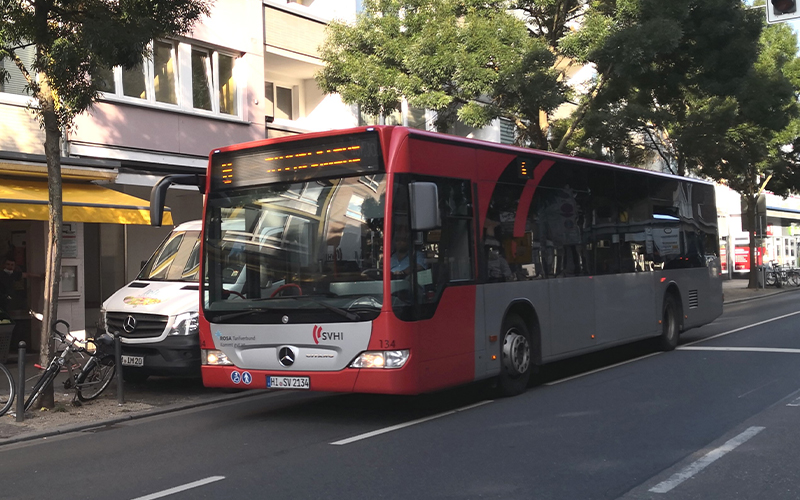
x=185 y=324
x=381 y=359
x=215 y=357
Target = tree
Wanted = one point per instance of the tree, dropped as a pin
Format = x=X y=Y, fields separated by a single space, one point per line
x=659 y=63
x=464 y=59
x=447 y=55
x=724 y=112
x=75 y=42
x=761 y=146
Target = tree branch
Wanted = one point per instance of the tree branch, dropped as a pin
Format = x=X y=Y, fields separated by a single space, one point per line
x=580 y=113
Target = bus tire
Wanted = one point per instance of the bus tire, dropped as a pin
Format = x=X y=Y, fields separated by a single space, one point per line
x=516 y=357
x=670 y=329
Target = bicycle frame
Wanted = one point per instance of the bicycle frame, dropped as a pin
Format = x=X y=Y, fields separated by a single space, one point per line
x=65 y=359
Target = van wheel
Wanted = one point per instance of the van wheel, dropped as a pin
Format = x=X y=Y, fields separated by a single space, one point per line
x=517 y=357
x=669 y=324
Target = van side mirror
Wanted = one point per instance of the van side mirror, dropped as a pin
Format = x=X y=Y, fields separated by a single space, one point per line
x=158 y=194
x=424 y=198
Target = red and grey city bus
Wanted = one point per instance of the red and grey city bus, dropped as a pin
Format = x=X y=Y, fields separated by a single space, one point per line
x=392 y=260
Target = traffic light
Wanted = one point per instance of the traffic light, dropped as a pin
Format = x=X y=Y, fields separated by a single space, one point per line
x=779 y=11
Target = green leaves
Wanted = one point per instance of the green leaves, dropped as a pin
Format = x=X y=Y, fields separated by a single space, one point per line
x=74 y=40
x=443 y=55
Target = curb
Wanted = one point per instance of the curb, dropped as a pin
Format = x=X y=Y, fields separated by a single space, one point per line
x=772 y=292
x=70 y=428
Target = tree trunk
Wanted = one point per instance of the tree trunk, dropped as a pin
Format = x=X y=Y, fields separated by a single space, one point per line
x=52 y=282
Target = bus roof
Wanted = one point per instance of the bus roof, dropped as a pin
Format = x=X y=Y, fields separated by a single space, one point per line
x=391 y=134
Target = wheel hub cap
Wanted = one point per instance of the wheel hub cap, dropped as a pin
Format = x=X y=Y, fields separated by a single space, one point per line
x=516 y=353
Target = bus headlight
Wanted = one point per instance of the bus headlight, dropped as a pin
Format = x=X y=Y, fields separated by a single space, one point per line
x=185 y=324
x=381 y=359
x=215 y=357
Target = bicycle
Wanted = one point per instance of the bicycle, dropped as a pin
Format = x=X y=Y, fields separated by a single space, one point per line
x=776 y=275
x=793 y=276
x=89 y=382
x=7 y=389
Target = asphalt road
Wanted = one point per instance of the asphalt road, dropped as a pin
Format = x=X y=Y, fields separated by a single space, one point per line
x=716 y=418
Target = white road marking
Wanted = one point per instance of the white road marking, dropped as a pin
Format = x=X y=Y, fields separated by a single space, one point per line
x=704 y=462
x=741 y=349
x=688 y=347
x=178 y=489
x=378 y=432
x=796 y=402
x=601 y=369
x=742 y=328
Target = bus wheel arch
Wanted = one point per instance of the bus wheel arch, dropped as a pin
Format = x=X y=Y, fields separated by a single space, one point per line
x=520 y=351
x=671 y=319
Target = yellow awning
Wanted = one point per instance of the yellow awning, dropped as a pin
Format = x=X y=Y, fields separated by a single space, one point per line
x=27 y=199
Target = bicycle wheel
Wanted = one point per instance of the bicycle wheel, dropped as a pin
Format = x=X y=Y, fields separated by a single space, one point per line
x=6 y=390
x=794 y=278
x=41 y=384
x=94 y=379
x=770 y=278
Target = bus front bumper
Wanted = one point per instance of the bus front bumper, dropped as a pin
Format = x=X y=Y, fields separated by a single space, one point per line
x=360 y=380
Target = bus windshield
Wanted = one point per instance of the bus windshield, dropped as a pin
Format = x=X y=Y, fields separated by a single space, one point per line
x=307 y=250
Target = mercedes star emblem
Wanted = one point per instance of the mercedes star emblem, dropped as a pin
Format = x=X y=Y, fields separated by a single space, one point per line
x=129 y=325
x=286 y=356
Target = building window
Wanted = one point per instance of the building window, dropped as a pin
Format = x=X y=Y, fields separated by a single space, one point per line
x=164 y=80
x=227 y=85
x=177 y=74
x=134 y=83
x=279 y=101
x=201 y=79
x=16 y=83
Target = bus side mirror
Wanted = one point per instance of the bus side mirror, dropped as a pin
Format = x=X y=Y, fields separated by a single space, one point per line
x=158 y=194
x=424 y=198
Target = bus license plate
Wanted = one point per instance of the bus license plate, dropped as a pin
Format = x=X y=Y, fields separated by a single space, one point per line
x=288 y=383
x=133 y=361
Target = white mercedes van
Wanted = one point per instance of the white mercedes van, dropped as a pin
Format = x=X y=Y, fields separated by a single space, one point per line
x=156 y=314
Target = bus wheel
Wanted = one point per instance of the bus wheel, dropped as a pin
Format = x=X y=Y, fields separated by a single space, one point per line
x=669 y=324
x=515 y=370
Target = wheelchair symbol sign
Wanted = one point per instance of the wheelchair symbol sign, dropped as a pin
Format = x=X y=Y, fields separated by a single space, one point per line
x=236 y=377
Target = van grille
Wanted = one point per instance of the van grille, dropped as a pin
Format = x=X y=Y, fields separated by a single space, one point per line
x=693 y=300
x=146 y=325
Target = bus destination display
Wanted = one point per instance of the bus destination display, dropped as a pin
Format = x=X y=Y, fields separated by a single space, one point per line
x=293 y=162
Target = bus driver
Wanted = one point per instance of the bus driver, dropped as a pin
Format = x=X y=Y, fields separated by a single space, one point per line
x=399 y=262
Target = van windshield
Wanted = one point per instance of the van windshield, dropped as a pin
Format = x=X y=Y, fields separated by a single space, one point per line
x=176 y=259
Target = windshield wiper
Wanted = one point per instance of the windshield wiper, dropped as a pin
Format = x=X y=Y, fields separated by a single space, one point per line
x=349 y=315
x=337 y=310
x=238 y=314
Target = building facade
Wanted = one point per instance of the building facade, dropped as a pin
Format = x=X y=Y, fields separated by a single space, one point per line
x=197 y=92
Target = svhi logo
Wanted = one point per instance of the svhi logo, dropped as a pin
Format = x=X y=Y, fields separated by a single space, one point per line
x=320 y=335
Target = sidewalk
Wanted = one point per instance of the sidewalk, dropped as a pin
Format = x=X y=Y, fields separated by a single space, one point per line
x=161 y=395
x=736 y=290
x=155 y=396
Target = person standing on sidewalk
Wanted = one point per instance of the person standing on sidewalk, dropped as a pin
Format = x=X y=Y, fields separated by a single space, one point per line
x=10 y=275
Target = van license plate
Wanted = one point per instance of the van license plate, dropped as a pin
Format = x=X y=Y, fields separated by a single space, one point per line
x=133 y=361
x=288 y=383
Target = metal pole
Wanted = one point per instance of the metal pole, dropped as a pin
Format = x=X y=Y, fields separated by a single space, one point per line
x=21 y=382
x=118 y=362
